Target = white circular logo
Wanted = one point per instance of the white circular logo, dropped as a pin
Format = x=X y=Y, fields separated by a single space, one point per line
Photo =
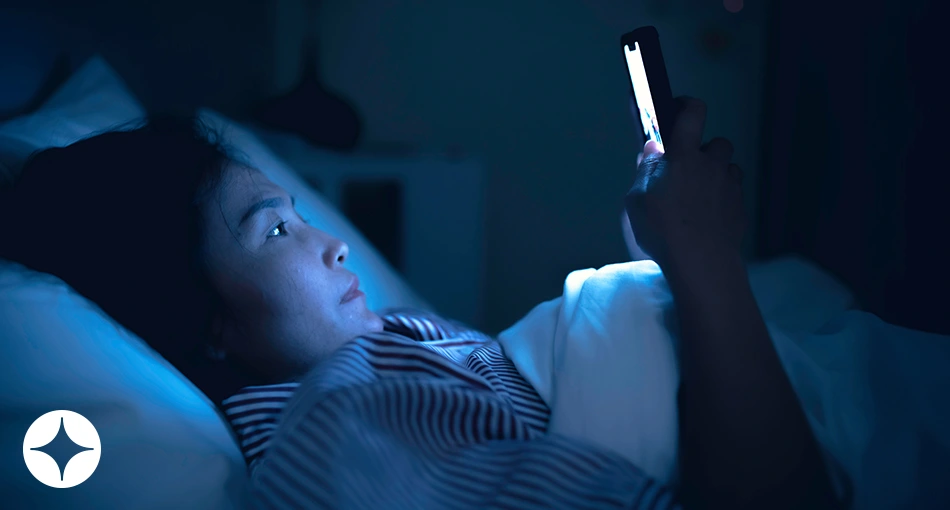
x=62 y=449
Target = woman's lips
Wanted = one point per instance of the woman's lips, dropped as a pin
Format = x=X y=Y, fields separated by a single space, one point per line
x=353 y=291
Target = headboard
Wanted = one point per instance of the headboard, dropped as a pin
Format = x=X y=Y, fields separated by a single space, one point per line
x=163 y=50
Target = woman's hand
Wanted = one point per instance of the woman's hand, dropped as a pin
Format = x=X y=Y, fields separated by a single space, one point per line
x=689 y=200
x=633 y=249
x=744 y=440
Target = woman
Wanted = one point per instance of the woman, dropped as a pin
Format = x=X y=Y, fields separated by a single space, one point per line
x=208 y=261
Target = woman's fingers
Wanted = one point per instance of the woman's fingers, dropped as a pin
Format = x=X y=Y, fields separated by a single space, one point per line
x=688 y=128
x=649 y=149
x=719 y=149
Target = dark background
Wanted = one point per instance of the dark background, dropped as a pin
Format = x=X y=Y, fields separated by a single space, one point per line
x=855 y=169
x=836 y=110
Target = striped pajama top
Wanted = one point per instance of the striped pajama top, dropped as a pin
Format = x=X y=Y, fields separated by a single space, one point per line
x=426 y=414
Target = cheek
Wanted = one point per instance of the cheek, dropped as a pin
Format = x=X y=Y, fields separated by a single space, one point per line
x=239 y=291
x=245 y=285
x=293 y=286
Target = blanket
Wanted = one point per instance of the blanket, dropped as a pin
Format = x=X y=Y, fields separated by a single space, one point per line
x=603 y=357
x=393 y=422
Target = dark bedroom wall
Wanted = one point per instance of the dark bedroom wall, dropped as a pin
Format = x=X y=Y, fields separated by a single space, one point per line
x=537 y=91
x=857 y=151
x=174 y=54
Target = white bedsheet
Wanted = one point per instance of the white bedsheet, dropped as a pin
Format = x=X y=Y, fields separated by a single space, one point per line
x=603 y=357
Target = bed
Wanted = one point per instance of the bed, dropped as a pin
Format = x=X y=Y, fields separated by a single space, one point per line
x=163 y=444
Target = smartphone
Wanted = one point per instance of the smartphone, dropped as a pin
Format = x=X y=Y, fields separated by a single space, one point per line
x=652 y=96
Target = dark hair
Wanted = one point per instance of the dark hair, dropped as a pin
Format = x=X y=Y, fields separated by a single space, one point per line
x=117 y=217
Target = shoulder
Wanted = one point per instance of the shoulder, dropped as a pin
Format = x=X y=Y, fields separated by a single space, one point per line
x=426 y=326
x=253 y=395
x=252 y=413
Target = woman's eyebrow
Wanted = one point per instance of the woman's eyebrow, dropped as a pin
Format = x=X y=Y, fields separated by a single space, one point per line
x=267 y=203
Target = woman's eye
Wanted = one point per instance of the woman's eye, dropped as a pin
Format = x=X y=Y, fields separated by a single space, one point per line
x=279 y=230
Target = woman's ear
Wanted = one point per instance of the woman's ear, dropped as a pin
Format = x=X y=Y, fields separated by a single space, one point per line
x=216 y=342
x=215 y=353
x=217 y=326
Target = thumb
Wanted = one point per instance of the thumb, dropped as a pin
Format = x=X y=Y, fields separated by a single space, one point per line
x=650 y=148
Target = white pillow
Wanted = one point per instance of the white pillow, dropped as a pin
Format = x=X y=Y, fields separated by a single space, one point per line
x=383 y=286
x=93 y=100
x=797 y=295
x=163 y=444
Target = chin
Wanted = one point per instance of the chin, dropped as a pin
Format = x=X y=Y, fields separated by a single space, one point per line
x=362 y=322
x=375 y=322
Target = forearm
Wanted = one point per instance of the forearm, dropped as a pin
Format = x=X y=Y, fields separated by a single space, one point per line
x=745 y=439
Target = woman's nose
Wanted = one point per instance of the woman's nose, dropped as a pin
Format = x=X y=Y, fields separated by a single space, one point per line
x=336 y=252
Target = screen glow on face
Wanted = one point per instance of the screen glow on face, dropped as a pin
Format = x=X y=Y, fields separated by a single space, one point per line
x=641 y=90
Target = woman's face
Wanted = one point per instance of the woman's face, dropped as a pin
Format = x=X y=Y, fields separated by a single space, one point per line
x=289 y=300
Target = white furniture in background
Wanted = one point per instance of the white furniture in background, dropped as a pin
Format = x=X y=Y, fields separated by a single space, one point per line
x=443 y=247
